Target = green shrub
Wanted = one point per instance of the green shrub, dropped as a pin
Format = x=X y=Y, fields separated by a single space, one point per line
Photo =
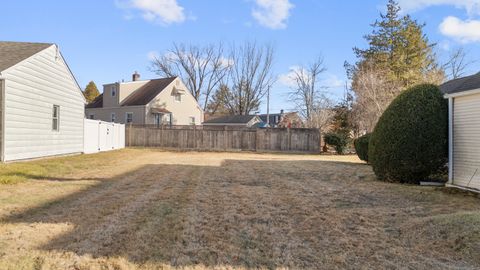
x=410 y=140
x=338 y=140
x=361 y=146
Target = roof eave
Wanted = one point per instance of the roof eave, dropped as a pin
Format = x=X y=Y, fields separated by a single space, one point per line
x=463 y=93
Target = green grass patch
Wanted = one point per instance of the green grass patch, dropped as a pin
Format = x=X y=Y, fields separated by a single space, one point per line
x=56 y=168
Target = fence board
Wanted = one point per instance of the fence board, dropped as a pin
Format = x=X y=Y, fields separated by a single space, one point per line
x=225 y=139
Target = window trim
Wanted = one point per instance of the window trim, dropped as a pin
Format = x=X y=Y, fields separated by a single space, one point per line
x=194 y=122
x=175 y=98
x=126 y=117
x=56 y=127
x=113 y=91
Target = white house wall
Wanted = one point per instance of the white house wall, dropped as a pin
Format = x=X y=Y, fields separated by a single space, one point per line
x=466 y=143
x=32 y=87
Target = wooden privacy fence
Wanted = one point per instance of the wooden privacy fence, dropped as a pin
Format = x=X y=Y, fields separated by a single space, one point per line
x=225 y=139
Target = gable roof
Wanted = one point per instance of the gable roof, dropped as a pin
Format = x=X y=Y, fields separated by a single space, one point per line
x=231 y=119
x=147 y=92
x=461 y=84
x=96 y=103
x=12 y=53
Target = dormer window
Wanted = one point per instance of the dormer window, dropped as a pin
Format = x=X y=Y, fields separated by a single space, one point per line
x=114 y=91
x=178 y=97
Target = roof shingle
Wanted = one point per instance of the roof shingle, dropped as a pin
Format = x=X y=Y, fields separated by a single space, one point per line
x=12 y=53
x=147 y=92
x=461 y=84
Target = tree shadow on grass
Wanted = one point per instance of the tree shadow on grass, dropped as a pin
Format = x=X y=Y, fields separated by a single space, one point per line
x=242 y=213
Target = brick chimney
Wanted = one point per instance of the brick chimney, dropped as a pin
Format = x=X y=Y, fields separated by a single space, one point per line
x=135 y=76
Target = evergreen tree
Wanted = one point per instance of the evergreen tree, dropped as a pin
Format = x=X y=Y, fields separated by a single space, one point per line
x=91 y=92
x=399 y=56
x=398 y=45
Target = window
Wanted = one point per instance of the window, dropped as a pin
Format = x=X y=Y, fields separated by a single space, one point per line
x=56 y=118
x=129 y=117
x=178 y=98
x=114 y=91
x=192 y=120
x=112 y=117
x=91 y=116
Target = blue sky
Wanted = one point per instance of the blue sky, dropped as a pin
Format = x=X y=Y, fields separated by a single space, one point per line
x=106 y=40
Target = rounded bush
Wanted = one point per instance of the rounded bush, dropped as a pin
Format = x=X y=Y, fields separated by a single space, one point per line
x=338 y=140
x=361 y=146
x=410 y=141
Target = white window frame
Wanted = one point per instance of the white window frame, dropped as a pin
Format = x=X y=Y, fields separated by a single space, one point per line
x=192 y=120
x=113 y=117
x=126 y=117
x=56 y=118
x=179 y=98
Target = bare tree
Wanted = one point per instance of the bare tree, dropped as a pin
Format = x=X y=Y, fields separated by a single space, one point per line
x=307 y=91
x=249 y=78
x=321 y=114
x=201 y=68
x=373 y=93
x=457 y=64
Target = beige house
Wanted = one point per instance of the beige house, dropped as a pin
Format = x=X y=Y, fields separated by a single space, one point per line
x=164 y=101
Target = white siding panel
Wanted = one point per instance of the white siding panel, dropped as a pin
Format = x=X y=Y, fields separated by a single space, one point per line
x=466 y=143
x=32 y=88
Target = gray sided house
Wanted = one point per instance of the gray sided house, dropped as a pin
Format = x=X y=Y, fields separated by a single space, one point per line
x=41 y=104
x=463 y=96
x=164 y=101
x=246 y=121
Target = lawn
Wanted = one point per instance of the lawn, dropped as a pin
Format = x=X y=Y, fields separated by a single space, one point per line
x=148 y=209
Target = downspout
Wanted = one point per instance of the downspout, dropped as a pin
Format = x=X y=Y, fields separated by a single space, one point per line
x=450 y=140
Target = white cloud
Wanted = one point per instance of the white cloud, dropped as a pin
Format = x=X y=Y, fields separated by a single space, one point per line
x=463 y=31
x=152 y=55
x=159 y=11
x=272 y=13
x=472 y=6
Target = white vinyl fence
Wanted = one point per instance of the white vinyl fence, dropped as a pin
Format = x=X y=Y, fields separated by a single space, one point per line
x=102 y=136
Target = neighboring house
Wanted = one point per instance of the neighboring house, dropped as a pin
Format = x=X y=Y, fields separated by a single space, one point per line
x=235 y=121
x=41 y=104
x=464 y=131
x=282 y=120
x=150 y=102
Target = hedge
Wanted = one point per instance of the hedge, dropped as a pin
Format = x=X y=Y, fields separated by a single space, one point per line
x=410 y=141
x=361 y=146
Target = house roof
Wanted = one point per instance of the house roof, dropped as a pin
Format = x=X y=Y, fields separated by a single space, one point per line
x=147 y=92
x=96 y=103
x=271 y=116
x=231 y=119
x=461 y=84
x=12 y=53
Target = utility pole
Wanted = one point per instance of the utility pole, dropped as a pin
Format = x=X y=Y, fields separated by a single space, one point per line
x=268 y=106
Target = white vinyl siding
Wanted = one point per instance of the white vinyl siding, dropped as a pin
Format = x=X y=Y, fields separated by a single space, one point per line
x=32 y=88
x=466 y=142
x=1 y=119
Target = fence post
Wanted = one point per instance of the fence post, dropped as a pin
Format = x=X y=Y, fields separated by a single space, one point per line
x=289 y=135
x=225 y=138
x=256 y=139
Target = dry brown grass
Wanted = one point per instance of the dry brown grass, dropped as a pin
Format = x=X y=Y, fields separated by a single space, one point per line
x=147 y=209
